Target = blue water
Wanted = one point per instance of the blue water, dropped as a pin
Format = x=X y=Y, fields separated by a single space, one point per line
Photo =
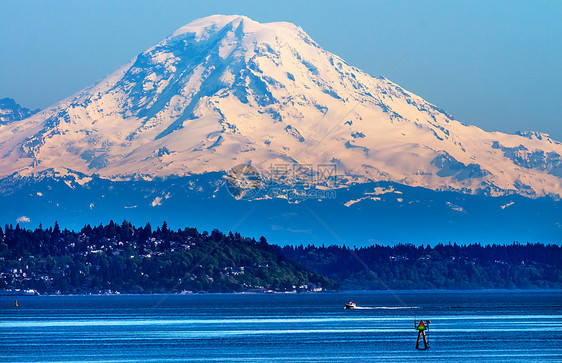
x=490 y=326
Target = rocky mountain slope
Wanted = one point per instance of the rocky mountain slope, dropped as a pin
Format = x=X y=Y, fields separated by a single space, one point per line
x=10 y=111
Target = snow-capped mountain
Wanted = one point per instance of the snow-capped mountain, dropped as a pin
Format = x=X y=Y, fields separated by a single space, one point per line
x=10 y=111
x=226 y=90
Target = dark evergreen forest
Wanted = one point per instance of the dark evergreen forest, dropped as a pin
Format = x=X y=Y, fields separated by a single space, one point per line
x=449 y=266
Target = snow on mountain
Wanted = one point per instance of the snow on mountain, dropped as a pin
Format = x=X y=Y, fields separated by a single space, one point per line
x=10 y=111
x=226 y=90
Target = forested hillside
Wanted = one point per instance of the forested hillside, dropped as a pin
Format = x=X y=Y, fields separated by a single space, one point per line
x=124 y=258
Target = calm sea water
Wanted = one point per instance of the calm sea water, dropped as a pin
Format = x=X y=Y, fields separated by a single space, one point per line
x=490 y=326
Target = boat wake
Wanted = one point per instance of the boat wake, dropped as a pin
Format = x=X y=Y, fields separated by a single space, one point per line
x=385 y=307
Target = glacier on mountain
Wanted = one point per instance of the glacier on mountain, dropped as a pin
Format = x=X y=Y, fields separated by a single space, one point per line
x=226 y=90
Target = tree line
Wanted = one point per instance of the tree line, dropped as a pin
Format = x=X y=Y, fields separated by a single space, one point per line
x=124 y=258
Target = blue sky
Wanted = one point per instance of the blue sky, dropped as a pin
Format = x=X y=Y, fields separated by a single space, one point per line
x=494 y=64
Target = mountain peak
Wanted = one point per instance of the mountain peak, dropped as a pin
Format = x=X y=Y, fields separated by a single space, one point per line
x=226 y=90
x=204 y=27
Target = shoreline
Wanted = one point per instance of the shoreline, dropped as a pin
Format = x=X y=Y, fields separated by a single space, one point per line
x=439 y=291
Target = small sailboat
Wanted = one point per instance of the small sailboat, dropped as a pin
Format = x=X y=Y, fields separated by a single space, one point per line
x=350 y=305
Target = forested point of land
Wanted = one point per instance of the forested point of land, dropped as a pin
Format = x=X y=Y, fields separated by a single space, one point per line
x=444 y=266
x=122 y=258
